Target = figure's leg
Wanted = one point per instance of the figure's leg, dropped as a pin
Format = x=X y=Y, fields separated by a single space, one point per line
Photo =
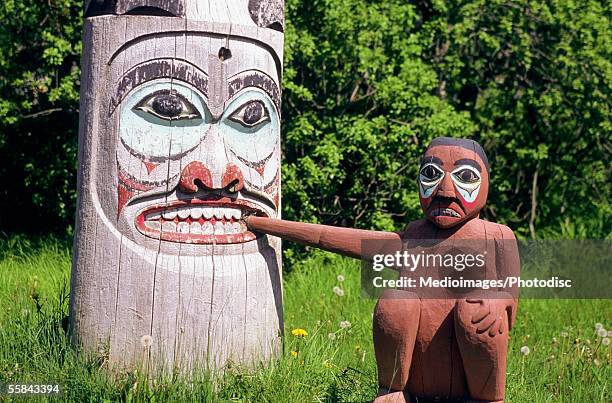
x=482 y=336
x=396 y=321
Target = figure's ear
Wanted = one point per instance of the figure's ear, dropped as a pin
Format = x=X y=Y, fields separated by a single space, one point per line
x=165 y=8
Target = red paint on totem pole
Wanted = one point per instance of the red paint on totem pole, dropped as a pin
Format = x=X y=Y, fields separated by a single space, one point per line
x=195 y=171
x=128 y=188
x=150 y=165
x=232 y=177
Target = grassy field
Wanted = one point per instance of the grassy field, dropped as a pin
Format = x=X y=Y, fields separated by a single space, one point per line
x=567 y=361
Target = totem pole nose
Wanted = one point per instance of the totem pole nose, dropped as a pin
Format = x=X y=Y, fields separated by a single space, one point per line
x=446 y=188
x=232 y=179
x=194 y=175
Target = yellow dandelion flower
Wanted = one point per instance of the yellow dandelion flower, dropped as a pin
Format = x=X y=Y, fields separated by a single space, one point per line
x=327 y=364
x=299 y=332
x=294 y=353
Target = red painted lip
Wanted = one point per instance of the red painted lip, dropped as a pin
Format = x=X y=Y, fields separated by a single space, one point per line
x=199 y=221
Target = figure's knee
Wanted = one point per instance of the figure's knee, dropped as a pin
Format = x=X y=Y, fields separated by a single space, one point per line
x=396 y=321
x=482 y=336
x=397 y=312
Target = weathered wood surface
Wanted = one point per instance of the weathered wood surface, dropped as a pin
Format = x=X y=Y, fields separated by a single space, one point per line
x=176 y=146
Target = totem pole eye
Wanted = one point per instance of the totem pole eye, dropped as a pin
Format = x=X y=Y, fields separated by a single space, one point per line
x=251 y=114
x=466 y=175
x=168 y=105
x=430 y=173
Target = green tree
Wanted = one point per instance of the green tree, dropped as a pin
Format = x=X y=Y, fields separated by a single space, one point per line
x=367 y=85
x=40 y=46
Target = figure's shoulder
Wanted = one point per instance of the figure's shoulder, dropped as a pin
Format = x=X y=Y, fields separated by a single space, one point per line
x=498 y=231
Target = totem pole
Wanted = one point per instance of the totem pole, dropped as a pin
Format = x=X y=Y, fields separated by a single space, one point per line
x=179 y=140
x=432 y=347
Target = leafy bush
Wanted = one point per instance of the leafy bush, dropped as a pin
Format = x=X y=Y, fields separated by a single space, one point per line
x=367 y=85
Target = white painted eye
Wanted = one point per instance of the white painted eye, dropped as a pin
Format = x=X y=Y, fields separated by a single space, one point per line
x=430 y=176
x=430 y=173
x=251 y=114
x=467 y=179
x=168 y=105
x=466 y=174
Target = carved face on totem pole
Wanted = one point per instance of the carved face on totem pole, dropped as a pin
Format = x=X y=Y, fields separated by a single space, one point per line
x=453 y=181
x=180 y=140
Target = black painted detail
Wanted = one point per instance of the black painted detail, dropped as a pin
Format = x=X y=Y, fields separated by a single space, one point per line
x=159 y=8
x=100 y=7
x=225 y=54
x=268 y=13
x=258 y=80
x=151 y=11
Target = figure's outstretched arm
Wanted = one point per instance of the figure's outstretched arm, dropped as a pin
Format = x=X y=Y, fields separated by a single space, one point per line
x=345 y=241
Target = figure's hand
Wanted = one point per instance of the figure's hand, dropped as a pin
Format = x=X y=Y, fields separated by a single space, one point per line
x=490 y=315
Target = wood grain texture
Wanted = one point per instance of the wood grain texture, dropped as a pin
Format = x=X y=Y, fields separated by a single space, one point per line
x=149 y=288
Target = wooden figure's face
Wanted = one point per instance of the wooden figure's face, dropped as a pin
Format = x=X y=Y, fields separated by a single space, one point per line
x=198 y=142
x=453 y=183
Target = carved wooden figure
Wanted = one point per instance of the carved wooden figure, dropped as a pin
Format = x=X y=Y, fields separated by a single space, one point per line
x=179 y=139
x=435 y=349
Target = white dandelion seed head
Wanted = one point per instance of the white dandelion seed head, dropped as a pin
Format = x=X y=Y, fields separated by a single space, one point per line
x=598 y=326
x=345 y=324
x=602 y=332
x=596 y=362
x=605 y=341
x=338 y=291
x=340 y=278
x=525 y=350
x=146 y=340
x=564 y=334
x=331 y=336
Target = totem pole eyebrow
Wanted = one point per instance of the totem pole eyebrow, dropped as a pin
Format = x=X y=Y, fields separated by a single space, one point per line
x=181 y=70
x=431 y=159
x=470 y=162
x=257 y=79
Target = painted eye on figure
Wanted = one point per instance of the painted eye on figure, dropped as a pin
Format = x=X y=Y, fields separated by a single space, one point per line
x=431 y=173
x=251 y=114
x=466 y=175
x=168 y=105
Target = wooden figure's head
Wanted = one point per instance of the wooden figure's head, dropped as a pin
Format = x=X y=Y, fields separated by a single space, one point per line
x=453 y=181
x=179 y=139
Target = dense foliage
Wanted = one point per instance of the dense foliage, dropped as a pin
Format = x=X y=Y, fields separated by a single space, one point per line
x=367 y=84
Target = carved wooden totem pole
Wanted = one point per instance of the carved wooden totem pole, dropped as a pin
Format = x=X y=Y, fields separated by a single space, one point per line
x=429 y=348
x=179 y=140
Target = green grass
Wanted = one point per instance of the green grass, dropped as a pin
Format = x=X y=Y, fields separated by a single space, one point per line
x=567 y=361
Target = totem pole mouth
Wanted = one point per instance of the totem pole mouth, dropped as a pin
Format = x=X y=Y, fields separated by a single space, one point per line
x=199 y=221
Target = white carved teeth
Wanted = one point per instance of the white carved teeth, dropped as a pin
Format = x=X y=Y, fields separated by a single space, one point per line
x=156 y=225
x=184 y=213
x=207 y=228
x=219 y=228
x=182 y=227
x=168 y=226
x=195 y=228
x=200 y=220
x=196 y=213
x=170 y=214
x=154 y=216
x=219 y=213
